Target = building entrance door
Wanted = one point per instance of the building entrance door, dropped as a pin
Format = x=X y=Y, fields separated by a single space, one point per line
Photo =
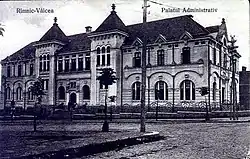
x=73 y=98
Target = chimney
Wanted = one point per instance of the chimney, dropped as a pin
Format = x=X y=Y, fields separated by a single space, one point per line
x=244 y=68
x=88 y=29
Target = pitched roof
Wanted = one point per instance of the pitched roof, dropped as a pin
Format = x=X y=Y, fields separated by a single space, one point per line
x=77 y=42
x=171 y=29
x=213 y=29
x=54 y=33
x=27 y=52
x=112 y=22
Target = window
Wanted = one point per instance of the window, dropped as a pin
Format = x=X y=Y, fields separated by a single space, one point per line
x=98 y=57
x=61 y=92
x=186 y=55
x=108 y=49
x=8 y=93
x=187 y=90
x=136 y=91
x=161 y=90
x=31 y=69
x=108 y=56
x=137 y=59
x=44 y=62
x=214 y=56
x=19 y=93
x=103 y=50
x=80 y=64
x=60 y=66
x=45 y=84
x=103 y=59
x=8 y=71
x=30 y=94
x=225 y=61
x=160 y=57
x=14 y=70
x=223 y=94
x=86 y=92
x=41 y=63
x=73 y=65
x=72 y=84
x=87 y=62
x=67 y=65
x=214 y=91
x=19 y=70
x=48 y=64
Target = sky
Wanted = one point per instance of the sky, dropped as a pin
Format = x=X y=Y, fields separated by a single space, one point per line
x=74 y=15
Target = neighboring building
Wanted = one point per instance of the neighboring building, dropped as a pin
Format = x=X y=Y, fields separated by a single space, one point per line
x=245 y=88
x=178 y=54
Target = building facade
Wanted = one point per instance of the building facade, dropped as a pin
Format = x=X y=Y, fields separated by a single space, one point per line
x=182 y=57
x=245 y=88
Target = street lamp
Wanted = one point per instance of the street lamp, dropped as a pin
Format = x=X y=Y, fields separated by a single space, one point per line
x=157 y=105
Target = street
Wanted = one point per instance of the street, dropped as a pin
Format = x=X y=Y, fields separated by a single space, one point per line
x=182 y=140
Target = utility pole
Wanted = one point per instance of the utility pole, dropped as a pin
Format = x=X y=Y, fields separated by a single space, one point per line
x=232 y=50
x=144 y=48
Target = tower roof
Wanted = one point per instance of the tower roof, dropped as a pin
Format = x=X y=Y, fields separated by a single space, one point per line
x=54 y=33
x=112 y=22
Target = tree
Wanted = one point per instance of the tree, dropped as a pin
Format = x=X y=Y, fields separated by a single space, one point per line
x=1 y=29
x=204 y=91
x=37 y=90
x=106 y=78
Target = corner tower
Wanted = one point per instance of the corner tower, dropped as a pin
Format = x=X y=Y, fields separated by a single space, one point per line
x=106 y=41
x=45 y=59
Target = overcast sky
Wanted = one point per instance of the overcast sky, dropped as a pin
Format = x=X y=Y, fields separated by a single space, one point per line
x=74 y=15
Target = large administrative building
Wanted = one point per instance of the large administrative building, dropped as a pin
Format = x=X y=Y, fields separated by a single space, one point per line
x=182 y=57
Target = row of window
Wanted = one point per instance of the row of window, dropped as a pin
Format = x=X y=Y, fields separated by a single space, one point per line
x=103 y=56
x=18 y=94
x=185 y=57
x=20 y=70
x=85 y=89
x=72 y=66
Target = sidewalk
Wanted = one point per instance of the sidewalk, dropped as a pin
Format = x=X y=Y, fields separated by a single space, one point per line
x=67 y=144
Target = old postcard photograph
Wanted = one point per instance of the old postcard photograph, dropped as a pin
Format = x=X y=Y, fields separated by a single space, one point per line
x=125 y=79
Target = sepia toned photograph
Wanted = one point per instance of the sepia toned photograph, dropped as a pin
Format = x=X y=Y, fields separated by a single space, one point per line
x=124 y=79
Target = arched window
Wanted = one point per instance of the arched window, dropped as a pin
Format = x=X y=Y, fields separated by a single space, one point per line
x=186 y=55
x=161 y=90
x=30 y=94
x=44 y=62
x=19 y=93
x=108 y=49
x=103 y=49
x=187 y=90
x=136 y=91
x=108 y=55
x=98 y=56
x=61 y=91
x=214 y=91
x=8 y=93
x=48 y=64
x=19 y=70
x=86 y=92
x=40 y=63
